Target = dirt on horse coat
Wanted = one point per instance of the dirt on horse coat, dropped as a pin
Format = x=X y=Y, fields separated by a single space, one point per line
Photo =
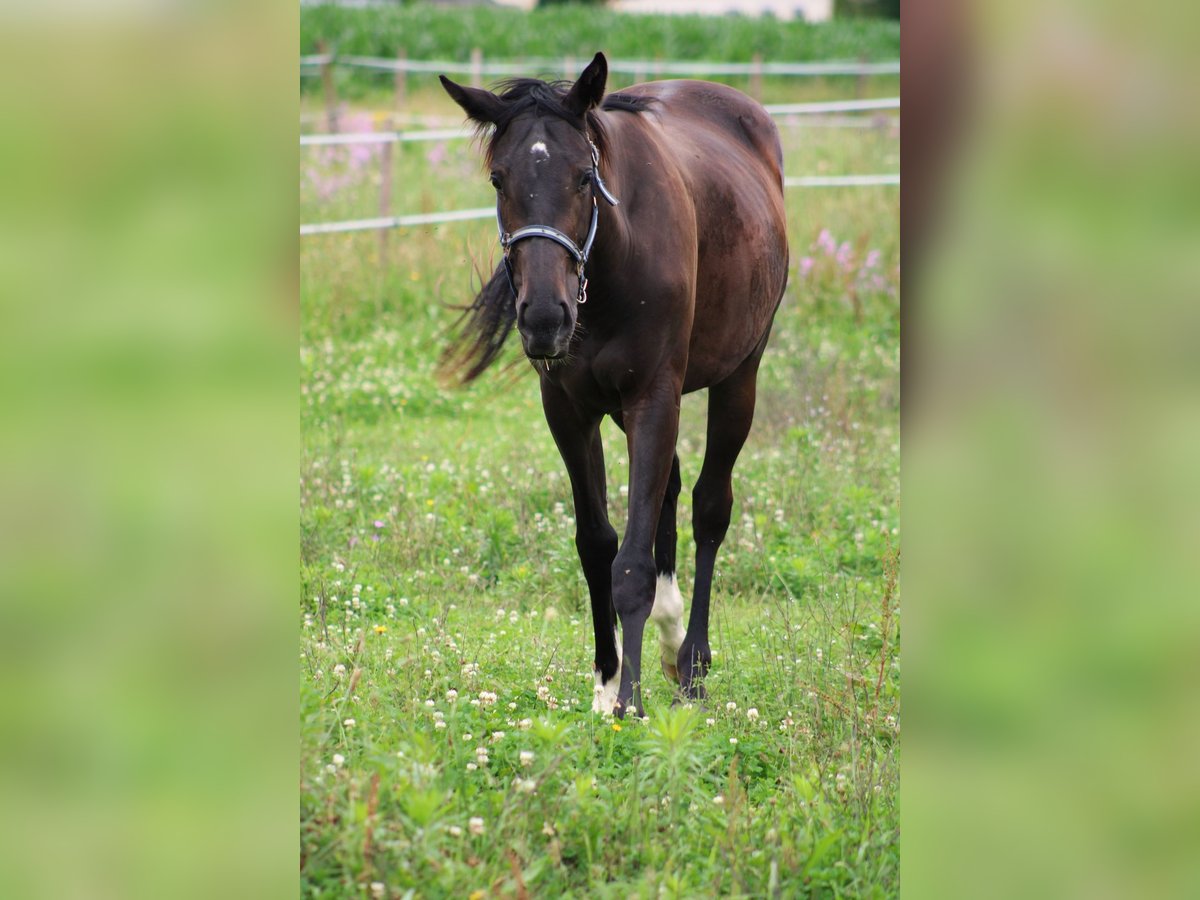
x=645 y=254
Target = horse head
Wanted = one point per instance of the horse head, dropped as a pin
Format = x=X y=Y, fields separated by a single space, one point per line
x=543 y=160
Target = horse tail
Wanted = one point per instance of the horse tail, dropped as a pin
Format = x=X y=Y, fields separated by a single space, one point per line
x=480 y=333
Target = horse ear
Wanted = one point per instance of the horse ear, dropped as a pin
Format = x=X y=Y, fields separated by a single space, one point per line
x=480 y=105
x=588 y=91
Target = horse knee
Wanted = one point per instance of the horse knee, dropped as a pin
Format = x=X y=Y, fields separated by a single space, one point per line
x=633 y=587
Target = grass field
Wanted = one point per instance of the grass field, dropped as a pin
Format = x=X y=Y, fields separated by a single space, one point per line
x=448 y=745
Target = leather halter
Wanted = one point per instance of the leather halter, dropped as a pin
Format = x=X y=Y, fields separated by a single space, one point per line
x=579 y=254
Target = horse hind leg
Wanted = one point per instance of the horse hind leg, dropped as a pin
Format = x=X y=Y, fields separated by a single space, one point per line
x=667 y=612
x=730 y=414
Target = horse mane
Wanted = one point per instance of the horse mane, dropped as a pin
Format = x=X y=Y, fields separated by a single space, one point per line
x=487 y=322
x=522 y=95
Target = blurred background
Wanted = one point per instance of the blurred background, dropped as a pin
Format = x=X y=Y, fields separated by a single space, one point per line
x=148 y=285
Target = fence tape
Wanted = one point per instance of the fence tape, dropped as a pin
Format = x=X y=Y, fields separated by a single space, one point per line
x=625 y=66
x=449 y=134
x=809 y=181
x=487 y=212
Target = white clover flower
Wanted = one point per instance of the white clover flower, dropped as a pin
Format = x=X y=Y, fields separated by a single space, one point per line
x=430 y=703
x=730 y=706
x=339 y=671
x=526 y=785
x=471 y=767
x=439 y=724
x=752 y=714
x=475 y=825
x=526 y=758
x=497 y=736
x=455 y=831
x=349 y=723
x=719 y=800
x=710 y=721
x=378 y=888
x=468 y=736
x=338 y=759
x=733 y=741
x=525 y=724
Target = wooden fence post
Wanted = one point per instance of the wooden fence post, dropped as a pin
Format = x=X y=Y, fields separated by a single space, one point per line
x=860 y=83
x=569 y=67
x=476 y=68
x=756 y=77
x=331 y=116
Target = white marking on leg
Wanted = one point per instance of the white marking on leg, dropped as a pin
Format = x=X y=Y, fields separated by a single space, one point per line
x=667 y=614
x=539 y=149
x=604 y=696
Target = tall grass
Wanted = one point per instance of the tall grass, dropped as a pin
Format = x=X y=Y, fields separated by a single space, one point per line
x=438 y=32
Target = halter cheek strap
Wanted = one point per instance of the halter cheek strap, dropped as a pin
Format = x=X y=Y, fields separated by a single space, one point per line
x=579 y=254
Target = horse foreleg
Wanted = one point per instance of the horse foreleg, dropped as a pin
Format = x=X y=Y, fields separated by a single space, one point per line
x=730 y=414
x=651 y=428
x=667 y=612
x=579 y=443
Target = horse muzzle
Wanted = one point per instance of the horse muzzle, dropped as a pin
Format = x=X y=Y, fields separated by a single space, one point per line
x=545 y=328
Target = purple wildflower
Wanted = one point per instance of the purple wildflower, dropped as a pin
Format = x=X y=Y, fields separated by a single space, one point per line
x=843 y=254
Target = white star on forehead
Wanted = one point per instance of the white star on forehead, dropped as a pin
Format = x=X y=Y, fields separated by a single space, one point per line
x=539 y=149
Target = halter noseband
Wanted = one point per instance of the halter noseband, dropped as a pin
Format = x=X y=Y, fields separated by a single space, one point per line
x=579 y=254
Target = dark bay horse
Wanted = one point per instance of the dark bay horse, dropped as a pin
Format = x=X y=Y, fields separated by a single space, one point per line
x=645 y=255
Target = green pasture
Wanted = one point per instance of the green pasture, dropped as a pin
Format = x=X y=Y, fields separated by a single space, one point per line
x=448 y=748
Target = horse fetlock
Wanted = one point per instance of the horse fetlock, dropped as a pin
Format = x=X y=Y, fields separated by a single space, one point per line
x=694 y=660
x=604 y=694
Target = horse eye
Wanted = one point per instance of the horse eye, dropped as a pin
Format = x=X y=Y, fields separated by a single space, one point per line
x=585 y=180
x=495 y=180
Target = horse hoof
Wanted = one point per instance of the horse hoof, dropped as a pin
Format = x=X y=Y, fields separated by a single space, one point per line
x=671 y=671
